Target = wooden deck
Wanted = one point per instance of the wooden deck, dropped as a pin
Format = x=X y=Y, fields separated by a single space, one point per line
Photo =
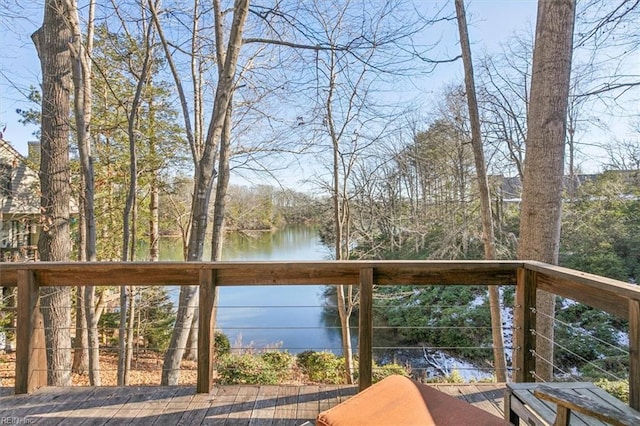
x=180 y=405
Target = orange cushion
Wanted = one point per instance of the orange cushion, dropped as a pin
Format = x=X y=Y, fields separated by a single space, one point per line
x=399 y=401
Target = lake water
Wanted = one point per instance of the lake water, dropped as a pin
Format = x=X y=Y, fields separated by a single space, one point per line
x=294 y=318
x=290 y=317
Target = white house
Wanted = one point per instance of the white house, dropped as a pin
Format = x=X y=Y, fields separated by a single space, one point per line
x=19 y=203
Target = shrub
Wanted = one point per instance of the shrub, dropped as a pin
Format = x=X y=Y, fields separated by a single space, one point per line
x=322 y=367
x=280 y=363
x=302 y=359
x=325 y=367
x=221 y=344
x=380 y=372
x=245 y=369
x=454 y=377
x=615 y=365
x=617 y=388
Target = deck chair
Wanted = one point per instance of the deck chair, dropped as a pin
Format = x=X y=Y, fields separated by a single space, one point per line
x=400 y=401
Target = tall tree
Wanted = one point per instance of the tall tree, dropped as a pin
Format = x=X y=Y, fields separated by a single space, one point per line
x=205 y=174
x=130 y=210
x=225 y=148
x=346 y=78
x=505 y=80
x=82 y=101
x=52 y=43
x=488 y=236
x=544 y=162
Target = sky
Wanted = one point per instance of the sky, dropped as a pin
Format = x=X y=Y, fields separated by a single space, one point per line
x=490 y=22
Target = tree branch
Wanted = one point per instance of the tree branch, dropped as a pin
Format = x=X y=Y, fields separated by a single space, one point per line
x=608 y=88
x=316 y=47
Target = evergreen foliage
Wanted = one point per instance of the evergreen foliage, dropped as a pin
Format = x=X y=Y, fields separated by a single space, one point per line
x=410 y=198
x=161 y=149
x=154 y=318
x=601 y=227
x=8 y=297
x=601 y=235
x=454 y=317
x=31 y=116
x=222 y=346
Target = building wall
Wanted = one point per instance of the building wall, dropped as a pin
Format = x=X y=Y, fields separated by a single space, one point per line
x=19 y=205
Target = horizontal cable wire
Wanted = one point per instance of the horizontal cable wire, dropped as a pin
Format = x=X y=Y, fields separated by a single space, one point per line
x=434 y=347
x=582 y=331
x=457 y=368
x=579 y=357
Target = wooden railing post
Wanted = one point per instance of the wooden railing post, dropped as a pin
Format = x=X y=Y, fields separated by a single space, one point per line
x=365 y=335
x=31 y=356
x=525 y=321
x=634 y=354
x=206 y=322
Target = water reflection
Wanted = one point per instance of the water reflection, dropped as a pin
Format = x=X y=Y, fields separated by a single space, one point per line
x=294 y=318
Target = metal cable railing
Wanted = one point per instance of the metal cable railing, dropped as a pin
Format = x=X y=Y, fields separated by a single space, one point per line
x=147 y=359
x=416 y=326
x=600 y=360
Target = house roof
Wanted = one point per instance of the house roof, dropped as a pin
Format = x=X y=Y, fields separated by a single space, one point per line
x=509 y=188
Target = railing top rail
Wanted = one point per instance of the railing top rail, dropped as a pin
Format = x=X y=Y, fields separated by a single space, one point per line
x=570 y=278
x=354 y=264
x=559 y=280
x=264 y=273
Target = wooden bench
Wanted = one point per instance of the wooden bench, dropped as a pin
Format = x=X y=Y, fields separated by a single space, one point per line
x=399 y=401
x=575 y=403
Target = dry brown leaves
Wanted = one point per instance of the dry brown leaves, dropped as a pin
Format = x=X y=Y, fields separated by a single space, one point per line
x=145 y=370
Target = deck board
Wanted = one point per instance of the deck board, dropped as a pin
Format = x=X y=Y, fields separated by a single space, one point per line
x=480 y=396
x=253 y=405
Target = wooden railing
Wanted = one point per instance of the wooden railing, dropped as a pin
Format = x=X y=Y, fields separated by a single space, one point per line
x=615 y=297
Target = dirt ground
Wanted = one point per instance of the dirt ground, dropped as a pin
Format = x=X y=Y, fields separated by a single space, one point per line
x=146 y=369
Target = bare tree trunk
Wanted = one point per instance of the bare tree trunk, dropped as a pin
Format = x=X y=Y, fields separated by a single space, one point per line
x=339 y=215
x=130 y=333
x=127 y=219
x=540 y=217
x=188 y=296
x=192 y=342
x=154 y=198
x=154 y=230
x=573 y=177
x=51 y=41
x=488 y=236
x=132 y=296
x=176 y=75
x=344 y=312
x=217 y=238
x=122 y=330
x=205 y=174
x=81 y=341
x=81 y=70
